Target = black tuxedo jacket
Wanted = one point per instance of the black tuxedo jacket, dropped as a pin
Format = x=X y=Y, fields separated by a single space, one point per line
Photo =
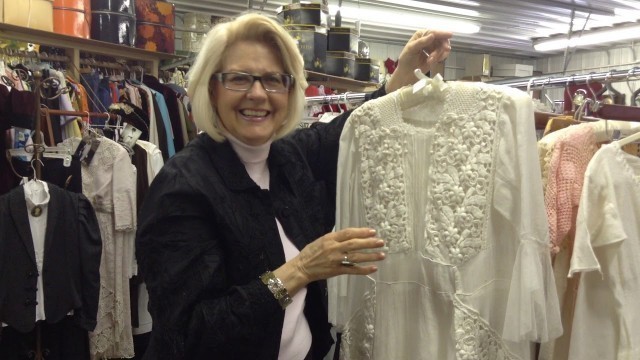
x=71 y=267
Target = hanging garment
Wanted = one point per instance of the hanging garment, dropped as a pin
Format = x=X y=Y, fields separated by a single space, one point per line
x=606 y=322
x=109 y=182
x=449 y=180
x=568 y=158
x=64 y=340
x=67 y=262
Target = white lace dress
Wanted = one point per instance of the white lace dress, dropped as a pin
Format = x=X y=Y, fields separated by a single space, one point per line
x=453 y=186
x=109 y=182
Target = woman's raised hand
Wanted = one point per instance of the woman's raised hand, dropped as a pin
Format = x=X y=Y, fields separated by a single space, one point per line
x=425 y=48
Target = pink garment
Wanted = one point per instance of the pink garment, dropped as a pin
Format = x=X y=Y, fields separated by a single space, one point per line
x=569 y=160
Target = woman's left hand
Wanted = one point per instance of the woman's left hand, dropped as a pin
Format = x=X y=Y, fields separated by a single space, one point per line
x=425 y=48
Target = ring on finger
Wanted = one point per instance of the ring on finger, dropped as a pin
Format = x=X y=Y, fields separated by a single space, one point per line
x=345 y=261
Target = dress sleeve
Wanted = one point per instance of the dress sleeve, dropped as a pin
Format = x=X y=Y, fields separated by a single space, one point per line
x=182 y=260
x=532 y=311
x=599 y=222
x=91 y=251
x=124 y=192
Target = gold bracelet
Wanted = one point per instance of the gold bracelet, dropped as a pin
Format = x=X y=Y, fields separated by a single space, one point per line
x=277 y=288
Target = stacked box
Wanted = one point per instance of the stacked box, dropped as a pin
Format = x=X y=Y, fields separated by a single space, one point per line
x=312 y=43
x=367 y=70
x=341 y=63
x=303 y=14
x=343 y=39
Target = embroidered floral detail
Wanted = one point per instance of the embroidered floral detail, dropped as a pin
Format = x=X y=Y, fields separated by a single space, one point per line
x=462 y=156
x=474 y=337
x=357 y=337
x=382 y=153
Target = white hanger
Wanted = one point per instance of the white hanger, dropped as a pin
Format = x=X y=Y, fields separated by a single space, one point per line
x=629 y=139
x=63 y=151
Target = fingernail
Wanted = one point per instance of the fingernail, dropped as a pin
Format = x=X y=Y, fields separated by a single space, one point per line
x=380 y=242
x=372 y=231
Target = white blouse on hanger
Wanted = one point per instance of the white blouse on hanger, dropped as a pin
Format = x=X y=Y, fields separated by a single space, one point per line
x=453 y=186
x=606 y=321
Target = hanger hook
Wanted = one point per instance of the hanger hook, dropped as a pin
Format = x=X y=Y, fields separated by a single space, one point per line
x=589 y=87
x=35 y=173
x=529 y=85
x=629 y=74
x=346 y=101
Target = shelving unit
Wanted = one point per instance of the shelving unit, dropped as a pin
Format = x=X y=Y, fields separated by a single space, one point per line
x=340 y=83
x=74 y=46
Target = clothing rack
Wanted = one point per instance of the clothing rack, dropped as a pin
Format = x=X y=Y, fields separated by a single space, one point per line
x=346 y=98
x=537 y=83
x=42 y=56
x=91 y=62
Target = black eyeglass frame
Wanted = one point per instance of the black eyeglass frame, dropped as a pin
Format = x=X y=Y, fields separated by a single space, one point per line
x=220 y=77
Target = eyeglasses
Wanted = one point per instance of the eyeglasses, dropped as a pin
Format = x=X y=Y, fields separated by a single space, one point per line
x=272 y=82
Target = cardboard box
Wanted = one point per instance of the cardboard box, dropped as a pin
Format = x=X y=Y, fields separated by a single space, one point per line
x=477 y=65
x=312 y=43
x=341 y=63
x=34 y=14
x=513 y=70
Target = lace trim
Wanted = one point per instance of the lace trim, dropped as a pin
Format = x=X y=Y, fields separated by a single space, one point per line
x=461 y=179
x=475 y=339
x=382 y=153
x=358 y=336
x=547 y=150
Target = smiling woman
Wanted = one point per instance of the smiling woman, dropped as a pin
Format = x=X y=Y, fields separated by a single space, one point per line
x=235 y=236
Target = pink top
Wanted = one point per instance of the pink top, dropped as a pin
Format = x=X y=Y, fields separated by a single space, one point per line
x=569 y=160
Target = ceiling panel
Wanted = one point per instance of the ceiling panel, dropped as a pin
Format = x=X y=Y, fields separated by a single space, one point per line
x=506 y=26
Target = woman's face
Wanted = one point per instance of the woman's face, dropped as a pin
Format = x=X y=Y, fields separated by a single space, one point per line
x=252 y=116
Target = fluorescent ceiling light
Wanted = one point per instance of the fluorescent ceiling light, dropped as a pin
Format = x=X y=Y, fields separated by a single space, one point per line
x=589 y=38
x=404 y=19
x=629 y=3
x=432 y=7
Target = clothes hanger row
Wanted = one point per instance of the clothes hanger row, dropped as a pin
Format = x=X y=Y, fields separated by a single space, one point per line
x=348 y=98
x=536 y=83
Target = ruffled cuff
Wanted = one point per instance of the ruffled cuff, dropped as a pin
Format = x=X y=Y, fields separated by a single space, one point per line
x=533 y=309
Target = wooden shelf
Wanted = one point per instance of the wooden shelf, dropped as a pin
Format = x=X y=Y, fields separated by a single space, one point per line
x=76 y=45
x=340 y=83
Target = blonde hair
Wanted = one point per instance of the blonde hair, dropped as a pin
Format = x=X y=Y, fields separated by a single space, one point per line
x=250 y=27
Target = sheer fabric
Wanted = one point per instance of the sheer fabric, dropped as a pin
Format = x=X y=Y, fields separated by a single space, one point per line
x=454 y=189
